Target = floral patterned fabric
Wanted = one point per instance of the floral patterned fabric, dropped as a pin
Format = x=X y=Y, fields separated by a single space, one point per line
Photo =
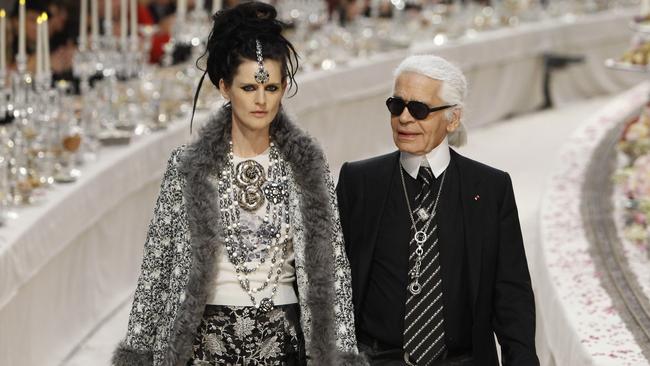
x=243 y=335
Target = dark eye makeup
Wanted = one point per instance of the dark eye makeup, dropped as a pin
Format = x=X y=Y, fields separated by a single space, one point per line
x=253 y=87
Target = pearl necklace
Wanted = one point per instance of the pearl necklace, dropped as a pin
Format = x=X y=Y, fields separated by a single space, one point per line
x=272 y=235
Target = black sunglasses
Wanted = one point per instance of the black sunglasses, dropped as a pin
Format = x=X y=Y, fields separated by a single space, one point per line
x=418 y=110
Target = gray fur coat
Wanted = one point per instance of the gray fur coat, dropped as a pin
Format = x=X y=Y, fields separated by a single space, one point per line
x=185 y=239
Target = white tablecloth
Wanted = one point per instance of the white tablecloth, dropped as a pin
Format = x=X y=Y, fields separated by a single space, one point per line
x=67 y=262
x=70 y=260
x=582 y=325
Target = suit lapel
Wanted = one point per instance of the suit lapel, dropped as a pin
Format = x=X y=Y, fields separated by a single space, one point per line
x=473 y=211
x=377 y=189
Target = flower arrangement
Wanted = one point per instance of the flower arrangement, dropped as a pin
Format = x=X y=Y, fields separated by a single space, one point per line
x=633 y=178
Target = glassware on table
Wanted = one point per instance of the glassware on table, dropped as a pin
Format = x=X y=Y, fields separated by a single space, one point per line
x=20 y=185
x=30 y=153
x=42 y=146
x=147 y=31
x=70 y=137
x=84 y=66
x=5 y=189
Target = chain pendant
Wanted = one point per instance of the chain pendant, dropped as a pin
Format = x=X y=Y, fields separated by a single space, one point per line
x=421 y=237
x=266 y=305
x=415 y=287
x=407 y=360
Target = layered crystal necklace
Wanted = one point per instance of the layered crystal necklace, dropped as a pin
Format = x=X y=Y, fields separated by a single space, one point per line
x=247 y=187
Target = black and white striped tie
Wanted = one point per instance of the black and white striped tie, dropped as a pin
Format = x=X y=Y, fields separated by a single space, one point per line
x=424 y=330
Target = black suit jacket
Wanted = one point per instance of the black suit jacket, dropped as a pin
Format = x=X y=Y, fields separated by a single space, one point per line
x=501 y=294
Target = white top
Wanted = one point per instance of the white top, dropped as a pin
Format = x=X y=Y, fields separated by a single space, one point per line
x=228 y=291
x=437 y=159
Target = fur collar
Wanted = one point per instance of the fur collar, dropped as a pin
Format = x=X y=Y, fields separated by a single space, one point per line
x=203 y=158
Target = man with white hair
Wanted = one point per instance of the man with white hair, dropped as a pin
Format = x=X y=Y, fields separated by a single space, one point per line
x=434 y=242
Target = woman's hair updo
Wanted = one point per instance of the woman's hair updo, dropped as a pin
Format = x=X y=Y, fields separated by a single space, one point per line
x=233 y=36
x=232 y=41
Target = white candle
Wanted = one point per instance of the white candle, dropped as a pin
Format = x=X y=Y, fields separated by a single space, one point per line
x=46 y=45
x=22 y=51
x=83 y=26
x=199 y=5
x=123 y=23
x=134 y=22
x=216 y=6
x=94 y=10
x=108 y=17
x=39 y=46
x=3 y=42
x=181 y=9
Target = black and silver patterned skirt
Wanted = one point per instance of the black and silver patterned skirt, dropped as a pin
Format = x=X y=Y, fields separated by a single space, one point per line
x=241 y=335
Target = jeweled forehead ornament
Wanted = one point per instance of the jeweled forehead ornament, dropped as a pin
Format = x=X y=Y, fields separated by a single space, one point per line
x=261 y=75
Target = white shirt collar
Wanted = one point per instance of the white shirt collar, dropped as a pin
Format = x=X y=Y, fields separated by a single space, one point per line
x=437 y=159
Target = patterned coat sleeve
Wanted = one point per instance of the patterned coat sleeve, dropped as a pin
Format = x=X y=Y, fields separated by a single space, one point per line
x=343 y=308
x=138 y=346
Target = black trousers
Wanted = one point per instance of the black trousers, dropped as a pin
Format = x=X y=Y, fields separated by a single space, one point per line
x=395 y=357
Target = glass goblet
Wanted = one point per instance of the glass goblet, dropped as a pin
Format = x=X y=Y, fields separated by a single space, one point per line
x=70 y=137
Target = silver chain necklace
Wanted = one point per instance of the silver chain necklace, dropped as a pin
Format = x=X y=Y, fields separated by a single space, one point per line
x=421 y=236
x=236 y=186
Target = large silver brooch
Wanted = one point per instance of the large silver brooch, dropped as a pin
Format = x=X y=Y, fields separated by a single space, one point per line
x=276 y=192
x=249 y=178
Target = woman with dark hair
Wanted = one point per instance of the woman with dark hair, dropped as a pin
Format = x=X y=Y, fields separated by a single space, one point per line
x=244 y=261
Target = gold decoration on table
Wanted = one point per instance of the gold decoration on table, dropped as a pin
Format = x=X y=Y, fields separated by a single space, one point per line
x=72 y=142
x=638 y=55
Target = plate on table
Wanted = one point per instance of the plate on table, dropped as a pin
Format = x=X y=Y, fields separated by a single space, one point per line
x=643 y=26
x=626 y=66
x=63 y=178
x=114 y=137
x=128 y=127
